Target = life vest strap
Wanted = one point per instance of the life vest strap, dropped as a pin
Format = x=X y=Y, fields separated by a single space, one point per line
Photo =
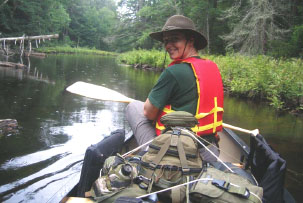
x=196 y=129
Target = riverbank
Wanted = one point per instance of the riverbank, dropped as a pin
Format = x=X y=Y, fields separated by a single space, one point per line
x=72 y=50
x=277 y=81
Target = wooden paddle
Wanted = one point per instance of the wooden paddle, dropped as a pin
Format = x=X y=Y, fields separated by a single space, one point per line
x=106 y=94
x=97 y=92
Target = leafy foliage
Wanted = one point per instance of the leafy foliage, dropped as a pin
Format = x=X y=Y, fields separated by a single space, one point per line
x=272 y=27
x=80 y=50
x=153 y=58
x=262 y=77
x=255 y=77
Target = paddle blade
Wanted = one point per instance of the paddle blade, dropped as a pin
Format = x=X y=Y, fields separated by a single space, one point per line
x=97 y=92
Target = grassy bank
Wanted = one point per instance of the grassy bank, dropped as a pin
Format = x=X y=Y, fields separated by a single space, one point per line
x=280 y=82
x=152 y=58
x=71 y=50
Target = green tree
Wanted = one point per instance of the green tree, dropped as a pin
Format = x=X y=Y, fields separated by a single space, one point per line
x=58 y=17
x=142 y=17
x=260 y=22
x=32 y=17
x=205 y=14
x=99 y=23
x=91 y=22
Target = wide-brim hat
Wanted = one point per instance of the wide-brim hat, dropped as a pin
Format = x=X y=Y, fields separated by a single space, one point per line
x=179 y=22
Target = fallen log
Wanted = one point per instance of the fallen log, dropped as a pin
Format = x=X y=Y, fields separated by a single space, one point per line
x=5 y=42
x=11 y=64
x=39 y=37
x=35 y=54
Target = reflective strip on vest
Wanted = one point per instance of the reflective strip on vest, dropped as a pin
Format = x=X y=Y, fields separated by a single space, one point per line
x=199 y=116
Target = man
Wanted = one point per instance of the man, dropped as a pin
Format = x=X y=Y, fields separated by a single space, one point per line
x=189 y=84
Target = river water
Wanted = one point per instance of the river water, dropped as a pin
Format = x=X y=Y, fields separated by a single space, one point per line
x=56 y=127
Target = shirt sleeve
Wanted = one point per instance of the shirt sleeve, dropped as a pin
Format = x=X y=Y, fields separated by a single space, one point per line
x=161 y=93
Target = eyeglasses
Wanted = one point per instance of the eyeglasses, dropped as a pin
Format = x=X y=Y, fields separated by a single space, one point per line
x=173 y=39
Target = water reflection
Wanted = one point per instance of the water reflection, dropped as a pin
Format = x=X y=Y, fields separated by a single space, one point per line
x=21 y=74
x=59 y=161
x=56 y=127
x=282 y=131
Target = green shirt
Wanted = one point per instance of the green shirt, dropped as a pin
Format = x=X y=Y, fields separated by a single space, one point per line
x=176 y=86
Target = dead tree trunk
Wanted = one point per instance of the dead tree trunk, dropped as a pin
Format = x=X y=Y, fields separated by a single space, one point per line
x=23 y=39
x=43 y=37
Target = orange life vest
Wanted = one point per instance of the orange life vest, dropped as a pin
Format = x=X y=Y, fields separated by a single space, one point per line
x=209 y=111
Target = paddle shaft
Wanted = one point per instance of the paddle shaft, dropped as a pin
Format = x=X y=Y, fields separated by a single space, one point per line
x=103 y=93
x=252 y=132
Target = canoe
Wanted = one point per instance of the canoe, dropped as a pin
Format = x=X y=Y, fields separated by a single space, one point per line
x=232 y=149
x=258 y=158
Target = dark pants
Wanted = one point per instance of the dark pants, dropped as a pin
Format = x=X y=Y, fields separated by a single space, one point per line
x=94 y=158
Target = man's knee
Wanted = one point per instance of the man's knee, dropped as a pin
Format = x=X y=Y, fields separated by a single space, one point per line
x=134 y=107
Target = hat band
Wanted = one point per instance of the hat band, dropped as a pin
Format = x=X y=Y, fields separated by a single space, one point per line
x=168 y=28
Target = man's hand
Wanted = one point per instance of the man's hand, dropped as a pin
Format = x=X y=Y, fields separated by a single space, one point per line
x=150 y=111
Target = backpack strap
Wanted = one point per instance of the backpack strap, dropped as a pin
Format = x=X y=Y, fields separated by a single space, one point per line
x=156 y=161
x=182 y=156
x=174 y=141
x=236 y=189
x=176 y=195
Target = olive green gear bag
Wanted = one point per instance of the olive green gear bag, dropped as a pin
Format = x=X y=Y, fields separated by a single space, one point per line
x=116 y=180
x=179 y=118
x=216 y=186
x=171 y=159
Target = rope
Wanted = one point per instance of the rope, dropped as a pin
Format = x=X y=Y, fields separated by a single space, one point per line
x=136 y=149
x=194 y=136
x=221 y=151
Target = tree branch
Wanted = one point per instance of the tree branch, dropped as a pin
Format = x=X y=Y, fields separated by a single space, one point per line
x=4 y=2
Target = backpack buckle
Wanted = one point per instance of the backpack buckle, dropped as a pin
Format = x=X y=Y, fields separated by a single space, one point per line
x=152 y=165
x=176 y=131
x=185 y=171
x=220 y=184
x=141 y=178
x=142 y=181
x=243 y=192
x=247 y=193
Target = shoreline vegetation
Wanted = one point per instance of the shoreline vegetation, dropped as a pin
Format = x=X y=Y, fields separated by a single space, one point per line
x=71 y=50
x=276 y=81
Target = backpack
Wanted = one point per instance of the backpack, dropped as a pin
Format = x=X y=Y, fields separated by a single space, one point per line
x=218 y=186
x=172 y=159
x=117 y=179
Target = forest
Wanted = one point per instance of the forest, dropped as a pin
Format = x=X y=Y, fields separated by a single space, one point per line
x=250 y=27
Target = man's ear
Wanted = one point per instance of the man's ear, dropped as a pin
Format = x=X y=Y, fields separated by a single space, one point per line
x=192 y=40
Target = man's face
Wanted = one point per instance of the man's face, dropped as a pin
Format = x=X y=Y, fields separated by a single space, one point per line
x=174 y=43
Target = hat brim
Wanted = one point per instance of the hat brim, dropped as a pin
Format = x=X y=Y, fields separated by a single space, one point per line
x=200 y=40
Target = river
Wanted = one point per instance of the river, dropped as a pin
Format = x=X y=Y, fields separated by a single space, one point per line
x=56 y=127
